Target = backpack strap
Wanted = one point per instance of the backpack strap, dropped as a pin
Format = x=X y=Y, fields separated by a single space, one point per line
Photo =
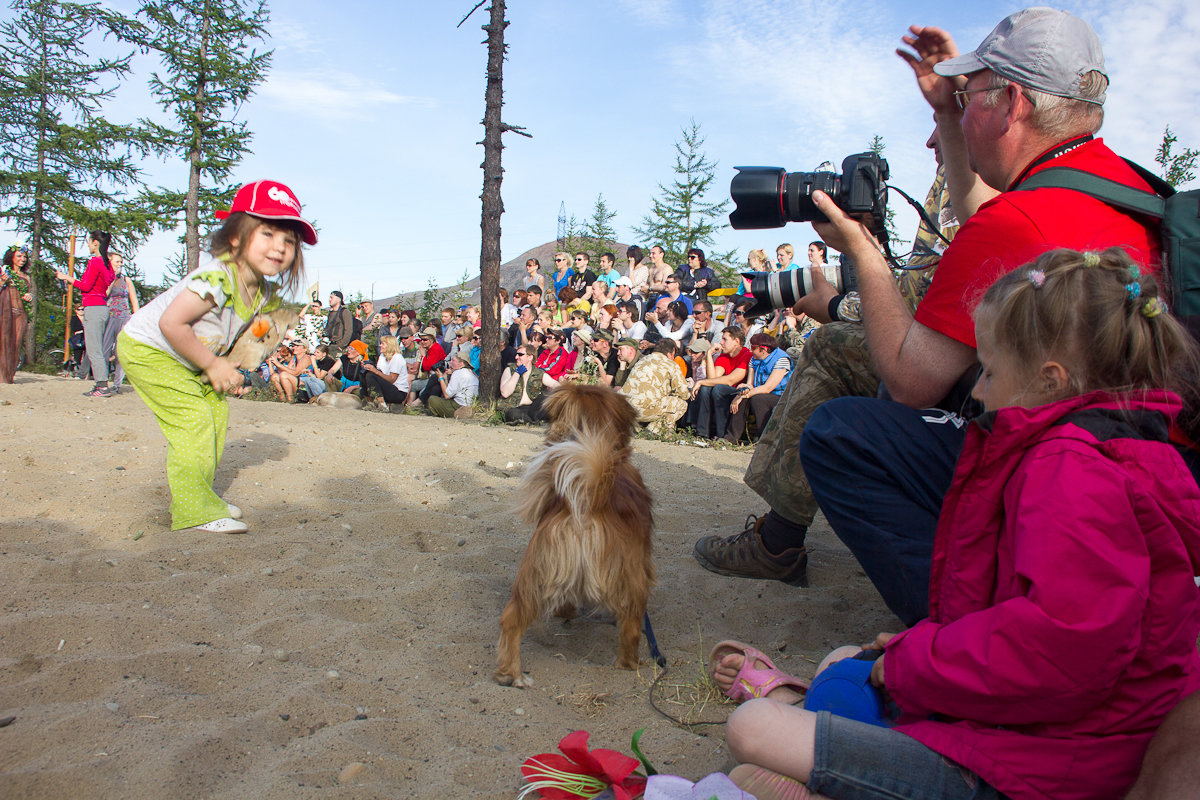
x=1126 y=198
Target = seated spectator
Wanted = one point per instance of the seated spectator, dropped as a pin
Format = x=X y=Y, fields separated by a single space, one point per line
x=285 y=380
x=578 y=321
x=462 y=340
x=628 y=322
x=770 y=369
x=522 y=388
x=601 y=296
x=476 y=349
x=432 y=356
x=623 y=293
x=608 y=269
x=533 y=274
x=696 y=368
x=508 y=311
x=387 y=380
x=793 y=331
x=518 y=332
x=533 y=296
x=605 y=319
x=696 y=278
x=656 y=389
x=473 y=316
x=353 y=373
x=660 y=270
x=557 y=359
x=678 y=324
x=627 y=356
x=673 y=293
x=458 y=391
x=708 y=411
x=704 y=324
x=323 y=371
x=639 y=270
x=390 y=326
x=757 y=261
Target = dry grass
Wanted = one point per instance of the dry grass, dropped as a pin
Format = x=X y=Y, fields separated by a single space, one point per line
x=587 y=703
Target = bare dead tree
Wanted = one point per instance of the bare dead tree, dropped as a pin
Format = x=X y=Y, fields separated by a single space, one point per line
x=493 y=206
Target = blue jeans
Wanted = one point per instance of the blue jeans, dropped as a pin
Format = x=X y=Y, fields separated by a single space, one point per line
x=879 y=471
x=710 y=410
x=857 y=761
x=313 y=384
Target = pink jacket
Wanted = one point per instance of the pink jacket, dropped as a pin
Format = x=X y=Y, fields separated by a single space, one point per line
x=93 y=283
x=1063 y=612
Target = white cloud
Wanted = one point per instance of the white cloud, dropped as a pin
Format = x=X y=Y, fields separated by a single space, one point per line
x=333 y=94
x=290 y=36
x=1152 y=60
x=814 y=67
x=656 y=13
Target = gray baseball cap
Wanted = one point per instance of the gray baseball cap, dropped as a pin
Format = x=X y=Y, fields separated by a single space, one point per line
x=1038 y=48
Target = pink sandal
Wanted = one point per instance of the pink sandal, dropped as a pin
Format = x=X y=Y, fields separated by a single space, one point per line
x=752 y=681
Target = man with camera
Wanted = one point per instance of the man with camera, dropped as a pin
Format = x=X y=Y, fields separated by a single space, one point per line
x=1029 y=98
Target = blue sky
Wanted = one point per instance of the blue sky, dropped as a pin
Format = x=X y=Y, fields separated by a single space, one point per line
x=371 y=112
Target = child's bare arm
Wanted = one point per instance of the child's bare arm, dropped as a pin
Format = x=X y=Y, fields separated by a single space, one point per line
x=176 y=326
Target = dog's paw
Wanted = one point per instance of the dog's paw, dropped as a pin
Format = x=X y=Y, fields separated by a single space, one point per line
x=629 y=663
x=521 y=681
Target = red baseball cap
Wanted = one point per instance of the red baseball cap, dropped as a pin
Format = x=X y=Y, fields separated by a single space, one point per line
x=270 y=200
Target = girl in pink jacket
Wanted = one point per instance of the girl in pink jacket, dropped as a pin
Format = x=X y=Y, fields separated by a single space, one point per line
x=1063 y=608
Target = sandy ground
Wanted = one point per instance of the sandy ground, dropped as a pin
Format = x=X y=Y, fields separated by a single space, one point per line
x=356 y=623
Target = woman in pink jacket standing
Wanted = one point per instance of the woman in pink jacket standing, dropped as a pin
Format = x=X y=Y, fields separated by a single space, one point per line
x=93 y=288
x=1063 y=609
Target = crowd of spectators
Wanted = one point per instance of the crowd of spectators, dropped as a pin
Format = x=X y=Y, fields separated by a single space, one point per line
x=679 y=363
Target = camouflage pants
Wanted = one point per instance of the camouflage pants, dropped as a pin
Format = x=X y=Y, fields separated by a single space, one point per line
x=834 y=363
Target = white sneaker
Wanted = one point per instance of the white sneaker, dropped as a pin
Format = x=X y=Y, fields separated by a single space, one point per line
x=223 y=525
x=234 y=511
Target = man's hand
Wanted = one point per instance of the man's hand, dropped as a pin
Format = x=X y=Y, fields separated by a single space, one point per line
x=816 y=302
x=932 y=46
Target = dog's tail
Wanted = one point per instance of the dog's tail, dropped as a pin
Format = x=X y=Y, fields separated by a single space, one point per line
x=576 y=474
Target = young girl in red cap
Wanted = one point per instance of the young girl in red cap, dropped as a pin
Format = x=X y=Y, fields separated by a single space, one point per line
x=173 y=343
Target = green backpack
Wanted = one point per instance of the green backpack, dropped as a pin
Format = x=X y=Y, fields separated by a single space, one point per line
x=1178 y=218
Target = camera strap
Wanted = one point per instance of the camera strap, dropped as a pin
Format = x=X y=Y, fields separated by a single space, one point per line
x=1050 y=155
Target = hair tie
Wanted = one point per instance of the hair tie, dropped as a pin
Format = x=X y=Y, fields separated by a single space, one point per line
x=1134 y=271
x=1091 y=260
x=1153 y=307
x=1134 y=288
x=1037 y=278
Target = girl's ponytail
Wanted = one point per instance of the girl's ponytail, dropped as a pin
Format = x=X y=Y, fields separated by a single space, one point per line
x=103 y=238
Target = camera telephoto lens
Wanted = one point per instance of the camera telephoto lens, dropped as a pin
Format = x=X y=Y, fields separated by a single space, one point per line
x=782 y=289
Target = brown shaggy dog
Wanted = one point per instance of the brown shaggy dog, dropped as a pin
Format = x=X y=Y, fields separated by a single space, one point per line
x=591 y=544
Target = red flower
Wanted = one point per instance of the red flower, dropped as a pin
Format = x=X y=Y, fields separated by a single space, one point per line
x=579 y=774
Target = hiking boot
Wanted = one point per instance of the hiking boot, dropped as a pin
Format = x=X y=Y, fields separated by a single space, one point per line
x=744 y=555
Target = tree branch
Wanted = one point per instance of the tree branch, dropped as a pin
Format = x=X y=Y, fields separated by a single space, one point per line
x=469 y=13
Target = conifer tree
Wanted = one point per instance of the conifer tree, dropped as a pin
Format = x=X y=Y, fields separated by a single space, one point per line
x=210 y=68
x=62 y=165
x=1177 y=168
x=681 y=217
x=598 y=231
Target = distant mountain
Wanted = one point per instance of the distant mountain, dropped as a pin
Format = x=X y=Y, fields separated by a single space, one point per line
x=512 y=275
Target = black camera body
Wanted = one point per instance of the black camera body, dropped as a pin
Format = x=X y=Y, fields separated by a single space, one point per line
x=770 y=197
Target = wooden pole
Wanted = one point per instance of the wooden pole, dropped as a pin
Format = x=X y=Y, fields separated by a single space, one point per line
x=70 y=299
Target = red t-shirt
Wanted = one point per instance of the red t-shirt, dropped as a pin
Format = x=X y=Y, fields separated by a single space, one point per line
x=734 y=363
x=432 y=357
x=1018 y=226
